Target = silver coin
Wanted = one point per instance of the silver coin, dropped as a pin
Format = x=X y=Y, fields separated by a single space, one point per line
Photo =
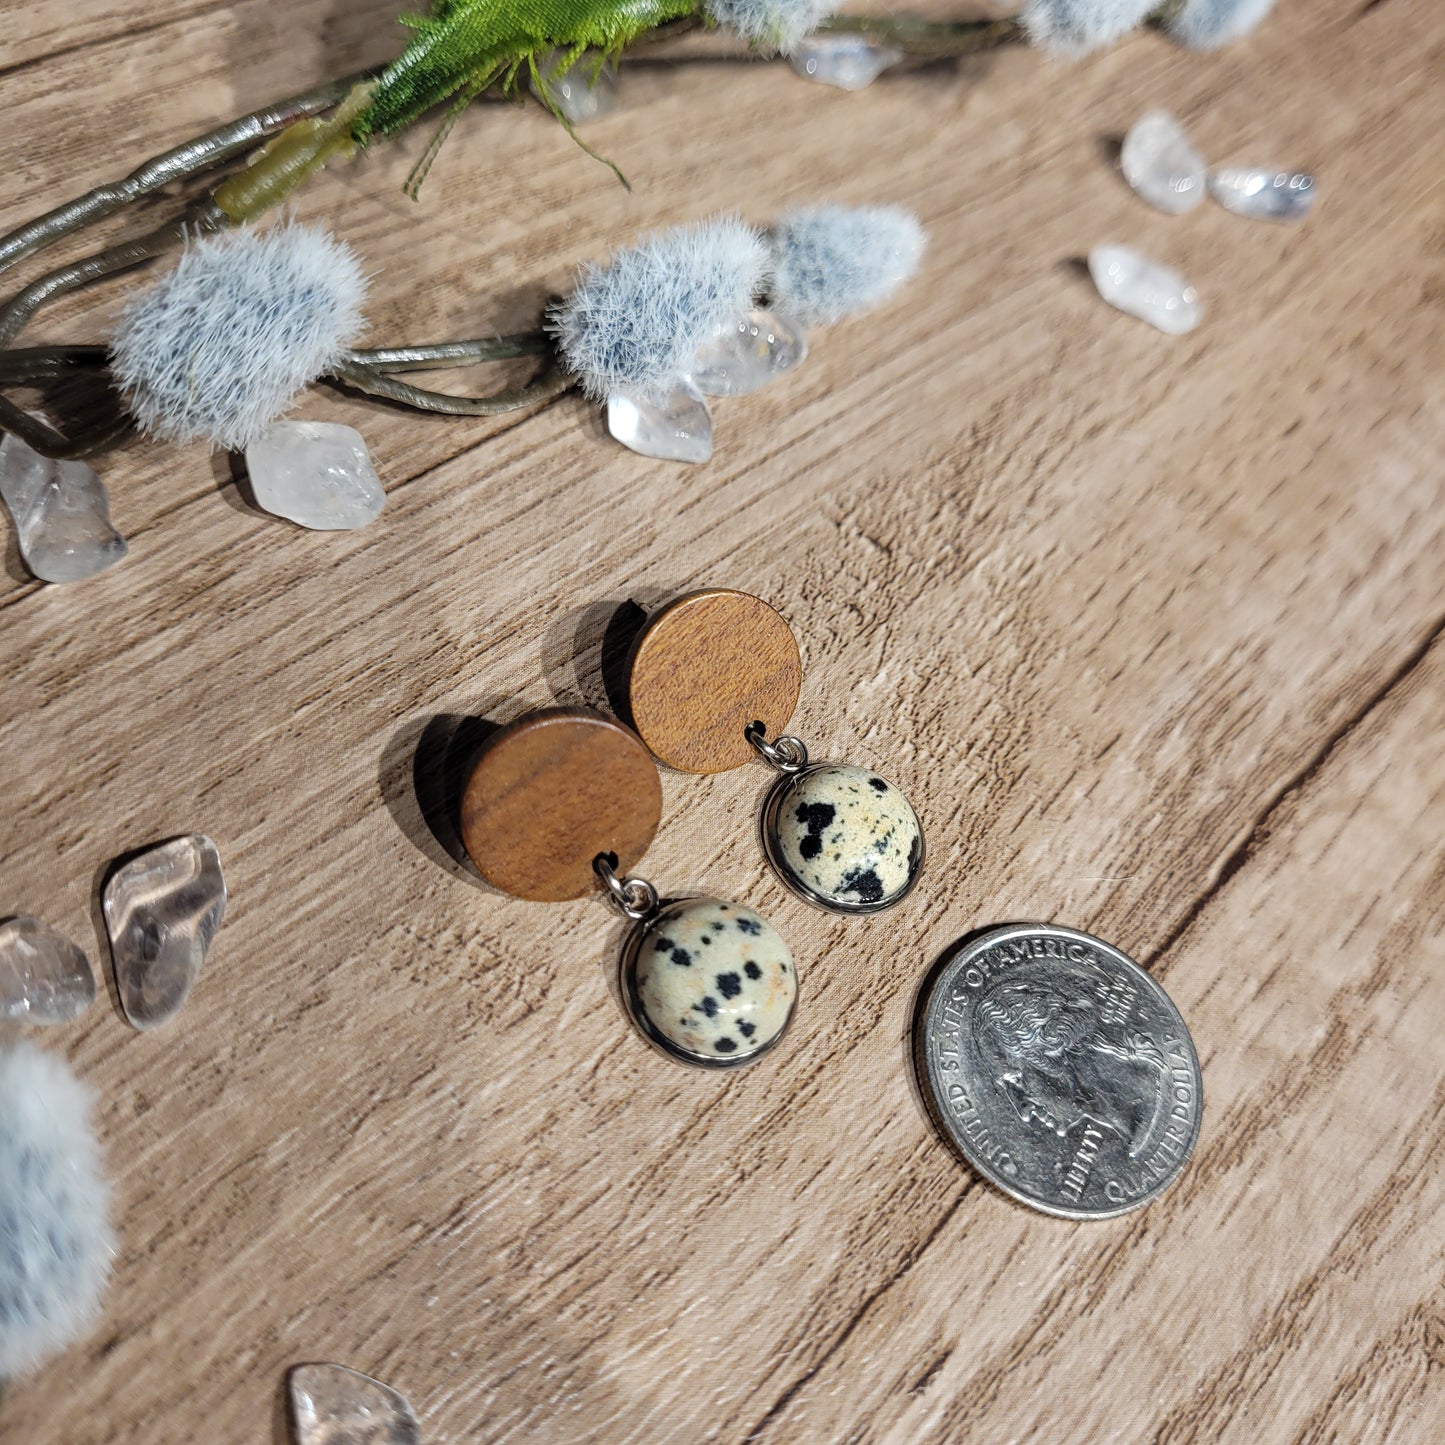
x=1061 y=1070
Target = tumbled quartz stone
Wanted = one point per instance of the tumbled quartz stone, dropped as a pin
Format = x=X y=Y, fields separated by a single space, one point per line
x=844 y=838
x=749 y=352
x=584 y=93
x=1263 y=195
x=712 y=982
x=162 y=910
x=676 y=429
x=846 y=62
x=44 y=977
x=1143 y=288
x=331 y=1405
x=61 y=512
x=1161 y=165
x=317 y=474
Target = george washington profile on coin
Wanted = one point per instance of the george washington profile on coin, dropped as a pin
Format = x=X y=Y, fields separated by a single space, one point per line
x=1059 y=1060
x=1059 y=1068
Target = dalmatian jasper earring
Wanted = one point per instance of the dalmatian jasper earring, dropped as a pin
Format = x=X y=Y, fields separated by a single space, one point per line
x=562 y=802
x=713 y=676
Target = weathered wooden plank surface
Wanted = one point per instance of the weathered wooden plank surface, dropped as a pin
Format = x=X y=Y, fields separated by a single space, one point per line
x=1149 y=629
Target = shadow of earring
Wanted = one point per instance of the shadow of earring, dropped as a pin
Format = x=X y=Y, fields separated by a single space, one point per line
x=424 y=767
x=585 y=652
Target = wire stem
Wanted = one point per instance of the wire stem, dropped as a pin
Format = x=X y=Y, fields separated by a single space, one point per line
x=40 y=363
x=928 y=37
x=16 y=314
x=444 y=354
x=40 y=436
x=289 y=158
x=361 y=370
x=45 y=363
x=178 y=164
x=552 y=383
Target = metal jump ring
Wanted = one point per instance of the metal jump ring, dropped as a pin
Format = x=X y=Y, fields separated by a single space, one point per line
x=636 y=897
x=787 y=755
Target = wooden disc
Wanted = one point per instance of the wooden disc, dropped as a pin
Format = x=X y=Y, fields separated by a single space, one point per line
x=549 y=793
x=705 y=667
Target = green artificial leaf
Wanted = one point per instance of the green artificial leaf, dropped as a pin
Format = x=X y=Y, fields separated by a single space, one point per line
x=463 y=46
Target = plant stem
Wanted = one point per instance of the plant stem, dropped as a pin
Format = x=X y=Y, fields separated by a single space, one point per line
x=287 y=159
x=454 y=353
x=552 y=383
x=41 y=437
x=363 y=371
x=303 y=142
x=180 y=163
x=42 y=363
x=39 y=363
x=16 y=314
x=928 y=37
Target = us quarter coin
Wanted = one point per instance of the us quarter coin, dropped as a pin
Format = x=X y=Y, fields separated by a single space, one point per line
x=1061 y=1070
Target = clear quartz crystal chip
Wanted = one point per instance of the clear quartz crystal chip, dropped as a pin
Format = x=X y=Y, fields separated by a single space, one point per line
x=331 y=1405
x=1161 y=165
x=61 y=512
x=44 y=977
x=1263 y=195
x=316 y=474
x=678 y=428
x=846 y=62
x=1145 y=289
x=749 y=352
x=584 y=92
x=162 y=910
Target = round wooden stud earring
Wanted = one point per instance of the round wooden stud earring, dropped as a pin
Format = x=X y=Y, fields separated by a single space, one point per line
x=551 y=791
x=712 y=677
x=562 y=802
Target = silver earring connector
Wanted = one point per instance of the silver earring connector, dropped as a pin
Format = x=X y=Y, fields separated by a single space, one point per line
x=635 y=897
x=788 y=754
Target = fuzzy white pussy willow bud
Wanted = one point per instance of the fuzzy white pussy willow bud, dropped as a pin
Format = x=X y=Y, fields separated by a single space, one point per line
x=834 y=261
x=770 y=24
x=637 y=323
x=220 y=347
x=1208 y=24
x=55 y=1243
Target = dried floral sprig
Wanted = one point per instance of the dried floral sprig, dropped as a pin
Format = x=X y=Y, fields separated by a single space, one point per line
x=219 y=348
x=55 y=1242
x=719 y=309
x=459 y=51
x=465 y=48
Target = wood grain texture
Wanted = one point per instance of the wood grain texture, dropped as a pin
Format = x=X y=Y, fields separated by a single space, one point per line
x=704 y=668
x=548 y=794
x=1148 y=629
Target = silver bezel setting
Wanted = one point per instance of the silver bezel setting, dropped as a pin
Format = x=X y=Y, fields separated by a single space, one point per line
x=627 y=980
x=767 y=827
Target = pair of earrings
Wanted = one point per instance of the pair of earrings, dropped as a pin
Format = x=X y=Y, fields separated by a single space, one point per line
x=563 y=799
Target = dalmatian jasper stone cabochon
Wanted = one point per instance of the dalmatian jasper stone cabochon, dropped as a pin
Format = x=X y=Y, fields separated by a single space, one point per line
x=712 y=982
x=844 y=837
